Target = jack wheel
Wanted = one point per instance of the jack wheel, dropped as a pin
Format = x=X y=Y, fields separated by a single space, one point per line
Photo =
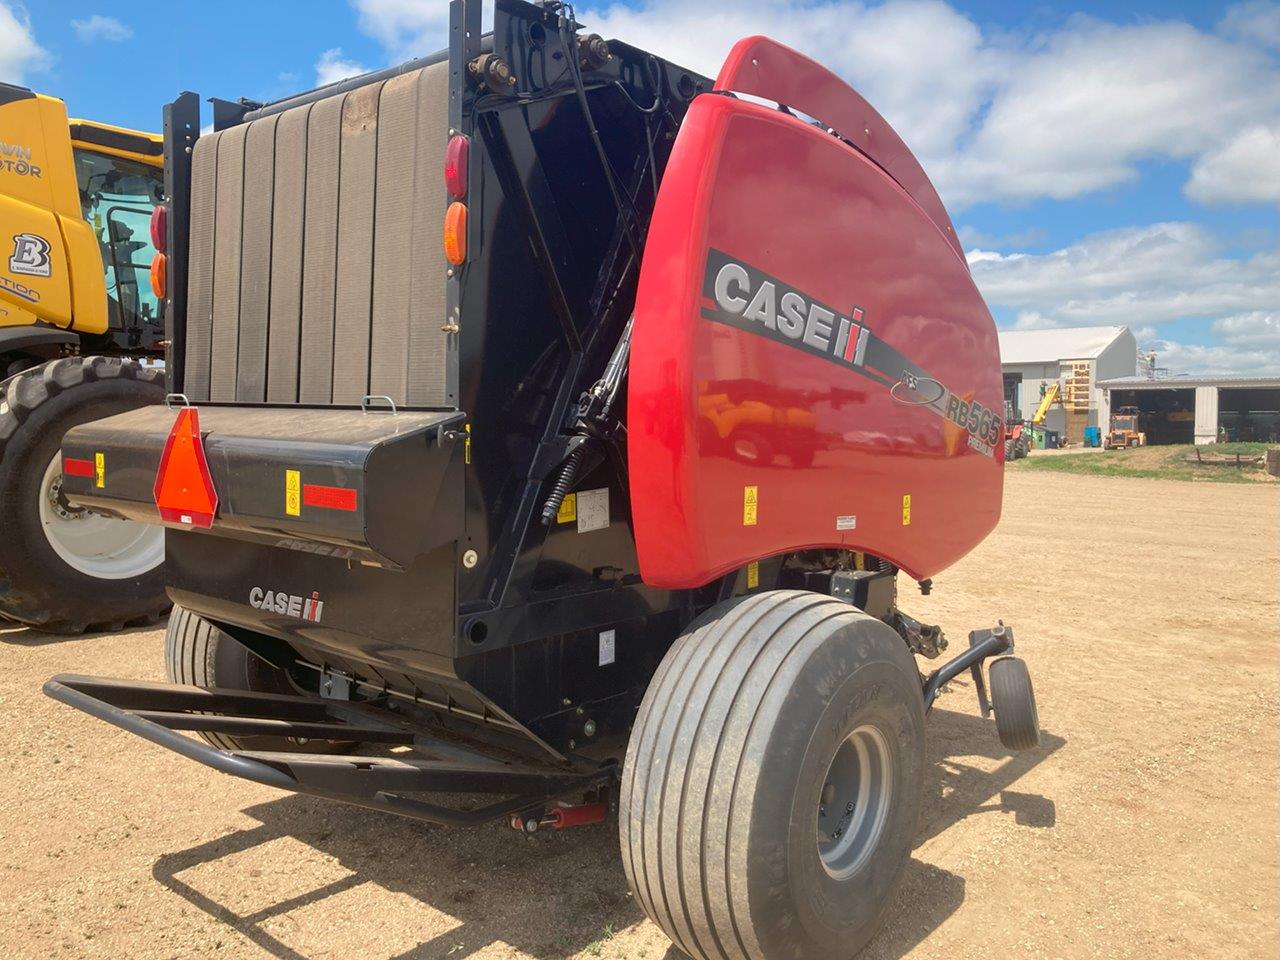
x=1014 y=703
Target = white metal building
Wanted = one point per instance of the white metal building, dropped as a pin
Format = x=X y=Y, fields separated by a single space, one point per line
x=1077 y=358
x=1201 y=409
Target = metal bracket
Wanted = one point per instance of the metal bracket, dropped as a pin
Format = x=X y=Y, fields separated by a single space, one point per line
x=982 y=644
x=365 y=407
x=171 y=398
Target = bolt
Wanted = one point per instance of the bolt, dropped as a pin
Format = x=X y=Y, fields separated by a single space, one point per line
x=531 y=825
x=837 y=833
x=470 y=559
x=580 y=711
x=589 y=728
x=848 y=807
x=573 y=744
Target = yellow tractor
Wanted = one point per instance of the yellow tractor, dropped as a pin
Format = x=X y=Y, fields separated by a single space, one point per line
x=81 y=338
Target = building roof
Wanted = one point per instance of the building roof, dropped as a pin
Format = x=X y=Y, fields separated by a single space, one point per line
x=1059 y=343
x=1185 y=383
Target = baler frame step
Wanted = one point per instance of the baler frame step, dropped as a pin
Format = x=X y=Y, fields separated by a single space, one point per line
x=158 y=712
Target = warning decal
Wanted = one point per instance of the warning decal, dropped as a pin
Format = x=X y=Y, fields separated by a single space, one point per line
x=293 y=493
x=568 y=511
x=750 y=501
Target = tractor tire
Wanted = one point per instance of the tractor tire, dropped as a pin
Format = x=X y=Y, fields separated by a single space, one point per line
x=1014 y=702
x=773 y=780
x=63 y=569
x=1009 y=451
x=198 y=654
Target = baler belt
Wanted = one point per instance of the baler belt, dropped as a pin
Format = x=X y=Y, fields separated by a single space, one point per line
x=317 y=274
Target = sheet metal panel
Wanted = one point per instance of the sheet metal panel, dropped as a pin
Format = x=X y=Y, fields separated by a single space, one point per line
x=320 y=251
x=283 y=336
x=256 y=261
x=204 y=166
x=354 y=287
x=228 y=232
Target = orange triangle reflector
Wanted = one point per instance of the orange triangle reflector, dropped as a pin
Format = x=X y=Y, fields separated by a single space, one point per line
x=184 y=487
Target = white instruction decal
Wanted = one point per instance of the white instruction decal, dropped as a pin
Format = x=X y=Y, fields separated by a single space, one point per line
x=849 y=522
x=593 y=509
x=608 y=647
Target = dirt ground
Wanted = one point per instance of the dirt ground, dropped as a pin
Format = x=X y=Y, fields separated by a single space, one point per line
x=1146 y=825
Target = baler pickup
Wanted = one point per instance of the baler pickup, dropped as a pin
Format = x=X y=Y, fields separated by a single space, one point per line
x=321 y=476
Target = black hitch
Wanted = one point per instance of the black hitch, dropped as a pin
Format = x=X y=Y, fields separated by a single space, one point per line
x=982 y=644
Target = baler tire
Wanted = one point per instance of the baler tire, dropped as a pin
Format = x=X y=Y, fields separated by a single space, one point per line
x=731 y=757
x=198 y=654
x=1013 y=700
x=39 y=586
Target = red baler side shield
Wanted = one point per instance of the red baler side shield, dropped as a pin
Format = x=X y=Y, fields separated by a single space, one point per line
x=812 y=365
x=184 y=491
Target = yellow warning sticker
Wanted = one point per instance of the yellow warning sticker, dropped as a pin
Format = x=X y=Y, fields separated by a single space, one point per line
x=568 y=511
x=466 y=449
x=293 y=493
x=99 y=470
x=906 y=509
x=750 y=500
x=753 y=574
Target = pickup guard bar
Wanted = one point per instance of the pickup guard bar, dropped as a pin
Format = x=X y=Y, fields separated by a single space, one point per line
x=158 y=711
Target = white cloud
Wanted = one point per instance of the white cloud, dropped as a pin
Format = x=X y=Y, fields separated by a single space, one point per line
x=1133 y=276
x=98 y=27
x=1142 y=277
x=1258 y=328
x=331 y=68
x=19 y=52
x=1256 y=21
x=1059 y=114
x=1223 y=360
x=407 y=28
x=1244 y=170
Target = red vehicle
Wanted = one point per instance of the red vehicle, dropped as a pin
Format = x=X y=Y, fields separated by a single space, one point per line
x=603 y=501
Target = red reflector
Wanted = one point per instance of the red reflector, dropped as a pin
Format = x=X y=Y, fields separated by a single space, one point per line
x=71 y=467
x=455 y=166
x=184 y=487
x=331 y=498
x=159 y=225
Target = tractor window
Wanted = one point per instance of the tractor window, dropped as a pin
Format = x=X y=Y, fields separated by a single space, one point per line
x=117 y=197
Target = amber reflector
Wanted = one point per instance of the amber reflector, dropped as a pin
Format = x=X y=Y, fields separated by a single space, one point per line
x=159 y=275
x=455 y=233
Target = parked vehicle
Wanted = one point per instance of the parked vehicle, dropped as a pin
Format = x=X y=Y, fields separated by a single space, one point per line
x=488 y=502
x=1126 y=430
x=80 y=334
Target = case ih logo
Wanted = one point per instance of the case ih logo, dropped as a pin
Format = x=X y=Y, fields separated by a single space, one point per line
x=750 y=299
x=30 y=255
x=743 y=296
x=304 y=608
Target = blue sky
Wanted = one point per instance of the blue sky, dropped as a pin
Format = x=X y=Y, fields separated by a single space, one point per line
x=1105 y=162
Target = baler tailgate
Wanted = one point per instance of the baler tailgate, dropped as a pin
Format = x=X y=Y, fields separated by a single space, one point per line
x=340 y=477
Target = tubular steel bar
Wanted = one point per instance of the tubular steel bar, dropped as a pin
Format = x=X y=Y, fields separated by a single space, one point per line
x=982 y=644
x=156 y=711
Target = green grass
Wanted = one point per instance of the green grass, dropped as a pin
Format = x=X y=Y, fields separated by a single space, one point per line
x=1161 y=463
